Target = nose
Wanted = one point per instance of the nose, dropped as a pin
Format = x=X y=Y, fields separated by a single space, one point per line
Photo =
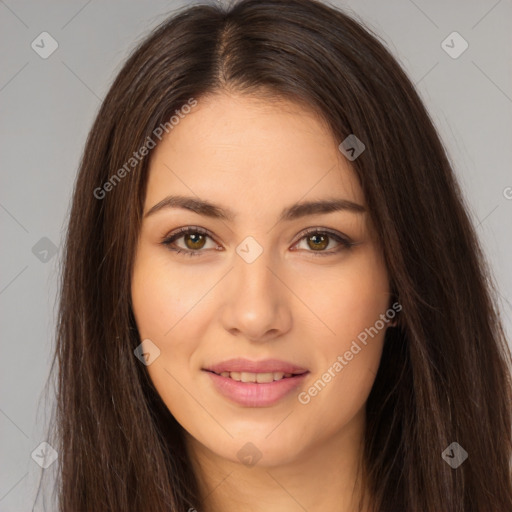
x=257 y=301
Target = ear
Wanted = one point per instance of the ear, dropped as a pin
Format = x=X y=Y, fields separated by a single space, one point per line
x=396 y=321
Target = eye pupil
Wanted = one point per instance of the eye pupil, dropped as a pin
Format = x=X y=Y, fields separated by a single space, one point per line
x=315 y=238
x=196 y=238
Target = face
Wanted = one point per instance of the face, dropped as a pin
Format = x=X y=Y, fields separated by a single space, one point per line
x=290 y=293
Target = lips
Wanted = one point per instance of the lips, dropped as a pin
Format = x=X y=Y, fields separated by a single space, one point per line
x=256 y=383
x=256 y=394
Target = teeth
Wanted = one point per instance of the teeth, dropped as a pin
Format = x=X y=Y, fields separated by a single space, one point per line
x=248 y=377
x=266 y=377
x=256 y=377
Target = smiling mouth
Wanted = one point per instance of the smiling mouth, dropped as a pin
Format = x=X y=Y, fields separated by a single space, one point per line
x=259 y=378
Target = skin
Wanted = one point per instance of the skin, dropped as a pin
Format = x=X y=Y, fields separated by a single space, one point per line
x=255 y=158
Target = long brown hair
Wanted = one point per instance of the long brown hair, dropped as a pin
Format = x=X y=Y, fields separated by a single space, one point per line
x=445 y=370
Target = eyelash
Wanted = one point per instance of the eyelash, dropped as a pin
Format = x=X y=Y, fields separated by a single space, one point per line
x=168 y=240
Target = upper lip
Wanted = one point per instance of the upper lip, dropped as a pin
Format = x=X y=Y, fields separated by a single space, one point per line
x=245 y=365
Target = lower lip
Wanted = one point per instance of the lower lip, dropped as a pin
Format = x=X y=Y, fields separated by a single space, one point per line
x=252 y=394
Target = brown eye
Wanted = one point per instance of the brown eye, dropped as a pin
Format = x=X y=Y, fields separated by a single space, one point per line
x=318 y=241
x=194 y=241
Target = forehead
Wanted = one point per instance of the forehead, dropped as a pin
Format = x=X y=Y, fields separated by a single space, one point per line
x=249 y=153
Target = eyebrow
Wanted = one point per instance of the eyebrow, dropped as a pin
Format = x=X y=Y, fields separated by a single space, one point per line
x=289 y=213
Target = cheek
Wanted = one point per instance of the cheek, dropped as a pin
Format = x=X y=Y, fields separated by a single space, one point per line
x=350 y=351
x=163 y=306
x=349 y=298
x=336 y=394
x=164 y=309
x=162 y=296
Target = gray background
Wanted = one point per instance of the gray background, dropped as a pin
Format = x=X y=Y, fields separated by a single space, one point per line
x=48 y=105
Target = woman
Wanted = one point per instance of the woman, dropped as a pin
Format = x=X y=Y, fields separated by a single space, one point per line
x=272 y=295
